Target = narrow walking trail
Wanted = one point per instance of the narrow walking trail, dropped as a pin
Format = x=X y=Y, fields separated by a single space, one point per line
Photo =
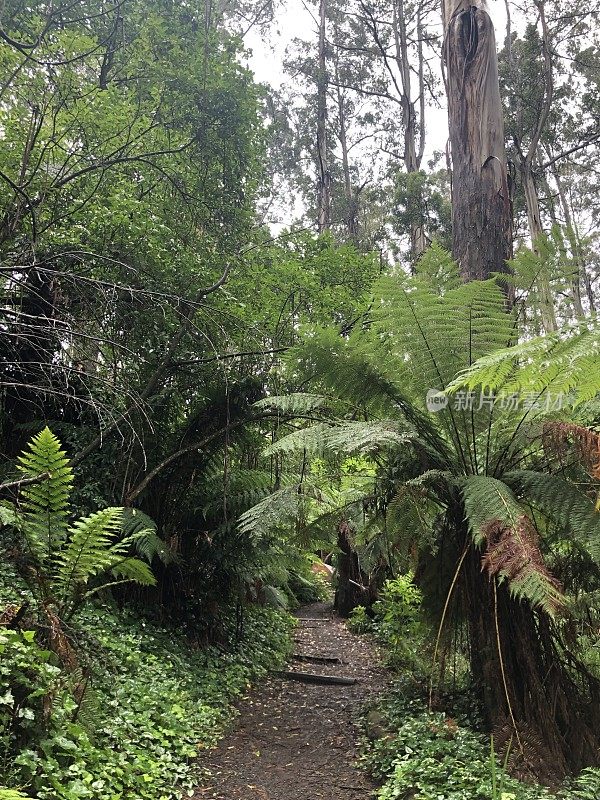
x=296 y=740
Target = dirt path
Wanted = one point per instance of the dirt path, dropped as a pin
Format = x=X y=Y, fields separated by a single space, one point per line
x=297 y=741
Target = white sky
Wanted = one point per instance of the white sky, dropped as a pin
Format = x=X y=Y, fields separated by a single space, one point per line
x=296 y=19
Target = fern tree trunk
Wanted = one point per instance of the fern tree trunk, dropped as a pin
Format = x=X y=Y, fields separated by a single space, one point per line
x=547 y=709
x=352 y=583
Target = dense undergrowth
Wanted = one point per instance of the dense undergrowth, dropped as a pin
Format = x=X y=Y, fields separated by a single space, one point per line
x=436 y=747
x=151 y=702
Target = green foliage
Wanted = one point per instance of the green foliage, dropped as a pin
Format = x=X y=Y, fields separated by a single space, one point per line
x=429 y=755
x=565 y=362
x=31 y=684
x=359 y=621
x=551 y=264
x=421 y=199
x=432 y=756
x=399 y=626
x=586 y=786
x=156 y=702
x=63 y=558
x=422 y=333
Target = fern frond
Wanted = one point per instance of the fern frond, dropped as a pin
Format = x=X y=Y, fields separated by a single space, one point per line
x=293 y=403
x=282 y=509
x=140 y=530
x=485 y=499
x=512 y=551
x=565 y=362
x=344 y=437
x=560 y=437
x=437 y=266
x=408 y=518
x=277 y=509
x=45 y=504
x=561 y=502
x=427 y=338
x=88 y=551
x=132 y=569
x=346 y=368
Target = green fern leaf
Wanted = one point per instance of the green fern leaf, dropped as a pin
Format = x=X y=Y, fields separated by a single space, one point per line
x=132 y=569
x=293 y=403
x=342 y=437
x=140 y=530
x=45 y=504
x=88 y=551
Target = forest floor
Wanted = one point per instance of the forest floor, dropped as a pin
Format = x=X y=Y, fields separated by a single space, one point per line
x=298 y=741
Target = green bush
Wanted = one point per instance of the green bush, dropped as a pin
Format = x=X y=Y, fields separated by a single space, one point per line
x=359 y=621
x=150 y=705
x=33 y=698
x=429 y=756
x=399 y=627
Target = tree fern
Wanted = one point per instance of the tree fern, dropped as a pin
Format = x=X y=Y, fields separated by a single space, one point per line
x=496 y=519
x=468 y=465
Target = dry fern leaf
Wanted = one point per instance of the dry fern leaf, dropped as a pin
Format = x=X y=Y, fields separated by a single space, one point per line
x=513 y=552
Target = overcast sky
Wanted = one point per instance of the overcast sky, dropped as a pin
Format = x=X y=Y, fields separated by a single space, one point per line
x=296 y=19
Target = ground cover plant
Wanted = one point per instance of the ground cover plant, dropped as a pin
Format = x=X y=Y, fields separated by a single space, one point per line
x=151 y=703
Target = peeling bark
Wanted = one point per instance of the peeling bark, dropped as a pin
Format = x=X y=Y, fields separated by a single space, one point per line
x=482 y=214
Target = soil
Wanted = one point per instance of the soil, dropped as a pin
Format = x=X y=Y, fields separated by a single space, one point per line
x=298 y=741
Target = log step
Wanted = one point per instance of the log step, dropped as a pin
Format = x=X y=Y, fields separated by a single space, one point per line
x=316 y=659
x=309 y=677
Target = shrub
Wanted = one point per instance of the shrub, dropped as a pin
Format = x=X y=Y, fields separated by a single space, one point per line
x=359 y=621
x=150 y=705
x=429 y=756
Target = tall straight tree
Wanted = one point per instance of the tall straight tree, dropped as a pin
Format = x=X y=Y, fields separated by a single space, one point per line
x=481 y=207
x=324 y=175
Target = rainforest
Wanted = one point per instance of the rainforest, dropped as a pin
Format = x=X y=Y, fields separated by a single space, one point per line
x=299 y=400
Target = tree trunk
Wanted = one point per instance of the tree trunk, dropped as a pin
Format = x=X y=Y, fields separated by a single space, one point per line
x=524 y=684
x=324 y=174
x=412 y=157
x=352 y=583
x=579 y=270
x=527 y=692
x=349 y=194
x=481 y=208
x=545 y=298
